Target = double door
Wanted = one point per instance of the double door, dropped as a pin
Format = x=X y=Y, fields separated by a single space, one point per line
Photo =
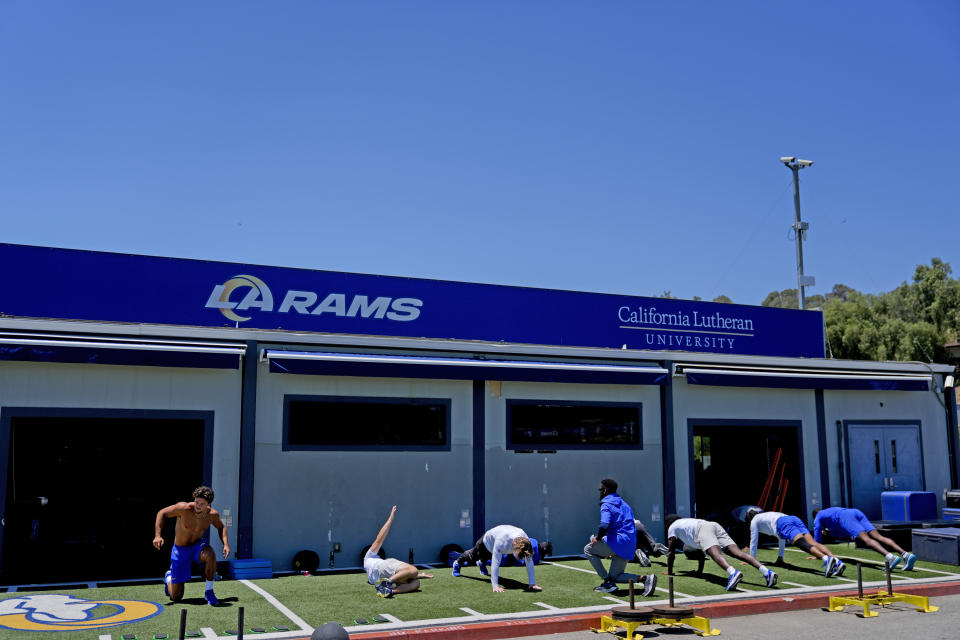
x=883 y=458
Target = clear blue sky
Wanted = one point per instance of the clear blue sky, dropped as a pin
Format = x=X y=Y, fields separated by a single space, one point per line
x=621 y=146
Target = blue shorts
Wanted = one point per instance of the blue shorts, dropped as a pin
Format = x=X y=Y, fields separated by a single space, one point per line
x=789 y=527
x=852 y=521
x=182 y=559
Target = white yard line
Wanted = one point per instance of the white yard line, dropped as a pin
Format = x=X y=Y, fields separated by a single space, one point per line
x=557 y=564
x=294 y=618
x=617 y=600
x=470 y=612
x=209 y=633
x=675 y=592
x=545 y=605
x=793 y=584
x=390 y=617
x=106 y=636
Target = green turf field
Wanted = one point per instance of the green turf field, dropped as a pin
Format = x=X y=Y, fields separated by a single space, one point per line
x=313 y=600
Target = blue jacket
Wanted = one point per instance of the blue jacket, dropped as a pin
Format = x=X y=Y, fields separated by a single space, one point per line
x=617 y=516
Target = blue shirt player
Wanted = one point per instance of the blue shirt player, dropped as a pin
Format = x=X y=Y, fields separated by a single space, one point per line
x=851 y=523
x=616 y=538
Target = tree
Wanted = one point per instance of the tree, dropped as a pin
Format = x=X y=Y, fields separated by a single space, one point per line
x=723 y=298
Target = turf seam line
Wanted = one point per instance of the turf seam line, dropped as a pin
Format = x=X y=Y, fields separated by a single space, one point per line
x=470 y=611
x=545 y=605
x=294 y=618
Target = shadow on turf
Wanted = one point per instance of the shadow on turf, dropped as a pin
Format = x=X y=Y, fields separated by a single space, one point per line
x=224 y=602
x=507 y=583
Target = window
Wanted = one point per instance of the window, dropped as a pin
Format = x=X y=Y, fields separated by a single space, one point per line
x=347 y=423
x=552 y=424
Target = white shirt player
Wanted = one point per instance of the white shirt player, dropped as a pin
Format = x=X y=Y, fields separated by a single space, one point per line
x=765 y=522
x=499 y=541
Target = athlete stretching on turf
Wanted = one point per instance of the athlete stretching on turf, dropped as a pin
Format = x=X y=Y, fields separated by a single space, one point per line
x=790 y=530
x=712 y=539
x=190 y=543
x=390 y=575
x=492 y=546
x=851 y=523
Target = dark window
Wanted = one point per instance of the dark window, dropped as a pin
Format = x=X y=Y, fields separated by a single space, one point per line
x=358 y=423
x=551 y=424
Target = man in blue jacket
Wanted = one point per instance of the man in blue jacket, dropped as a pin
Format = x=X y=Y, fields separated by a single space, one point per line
x=616 y=538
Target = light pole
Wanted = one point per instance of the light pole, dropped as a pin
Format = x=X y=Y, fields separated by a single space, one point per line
x=799 y=227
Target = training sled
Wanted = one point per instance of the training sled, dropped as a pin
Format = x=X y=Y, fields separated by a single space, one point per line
x=629 y=618
x=880 y=599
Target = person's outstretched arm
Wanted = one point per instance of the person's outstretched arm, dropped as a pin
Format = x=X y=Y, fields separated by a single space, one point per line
x=384 y=530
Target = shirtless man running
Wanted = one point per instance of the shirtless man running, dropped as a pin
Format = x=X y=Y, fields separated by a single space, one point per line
x=189 y=544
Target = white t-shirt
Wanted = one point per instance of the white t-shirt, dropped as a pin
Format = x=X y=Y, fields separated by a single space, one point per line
x=685 y=530
x=765 y=522
x=499 y=541
x=378 y=568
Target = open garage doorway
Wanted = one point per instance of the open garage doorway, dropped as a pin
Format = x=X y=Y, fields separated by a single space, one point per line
x=733 y=461
x=83 y=487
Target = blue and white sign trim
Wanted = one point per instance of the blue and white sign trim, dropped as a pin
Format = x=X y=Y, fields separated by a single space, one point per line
x=111 y=287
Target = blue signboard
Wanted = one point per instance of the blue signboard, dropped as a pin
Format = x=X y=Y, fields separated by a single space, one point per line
x=41 y=282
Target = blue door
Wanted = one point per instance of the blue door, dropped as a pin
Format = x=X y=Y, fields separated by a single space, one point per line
x=882 y=458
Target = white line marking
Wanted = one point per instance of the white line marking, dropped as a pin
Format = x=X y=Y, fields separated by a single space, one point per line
x=793 y=584
x=557 y=564
x=617 y=600
x=294 y=618
x=105 y=636
x=675 y=592
x=390 y=617
x=470 y=611
x=209 y=633
x=545 y=605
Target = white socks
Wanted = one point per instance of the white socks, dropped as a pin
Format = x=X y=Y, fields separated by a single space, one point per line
x=209 y=584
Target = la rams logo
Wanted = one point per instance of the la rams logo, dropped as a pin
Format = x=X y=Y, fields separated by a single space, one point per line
x=258 y=295
x=54 y=612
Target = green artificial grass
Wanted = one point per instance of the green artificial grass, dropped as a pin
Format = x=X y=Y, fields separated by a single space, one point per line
x=344 y=598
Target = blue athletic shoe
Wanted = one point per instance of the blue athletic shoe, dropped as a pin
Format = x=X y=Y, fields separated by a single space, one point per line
x=456 y=569
x=166 y=583
x=829 y=566
x=771 y=578
x=210 y=598
x=734 y=580
x=895 y=562
x=911 y=560
x=840 y=568
x=482 y=565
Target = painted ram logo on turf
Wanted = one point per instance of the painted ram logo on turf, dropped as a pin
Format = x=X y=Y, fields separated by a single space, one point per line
x=54 y=612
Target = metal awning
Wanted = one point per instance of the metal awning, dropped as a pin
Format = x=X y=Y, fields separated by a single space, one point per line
x=804 y=379
x=403 y=366
x=121 y=351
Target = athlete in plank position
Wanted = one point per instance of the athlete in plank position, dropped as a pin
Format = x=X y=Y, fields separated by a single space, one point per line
x=190 y=543
x=492 y=546
x=790 y=530
x=851 y=523
x=390 y=575
x=712 y=539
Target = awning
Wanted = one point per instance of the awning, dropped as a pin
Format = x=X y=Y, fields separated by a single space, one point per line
x=395 y=366
x=122 y=351
x=812 y=379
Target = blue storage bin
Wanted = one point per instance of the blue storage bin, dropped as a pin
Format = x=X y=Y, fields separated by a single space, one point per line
x=908 y=505
x=250 y=568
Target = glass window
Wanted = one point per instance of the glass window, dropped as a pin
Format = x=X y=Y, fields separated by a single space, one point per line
x=552 y=424
x=359 y=423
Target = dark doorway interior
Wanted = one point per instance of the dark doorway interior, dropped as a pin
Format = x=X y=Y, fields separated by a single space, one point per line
x=731 y=465
x=82 y=494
